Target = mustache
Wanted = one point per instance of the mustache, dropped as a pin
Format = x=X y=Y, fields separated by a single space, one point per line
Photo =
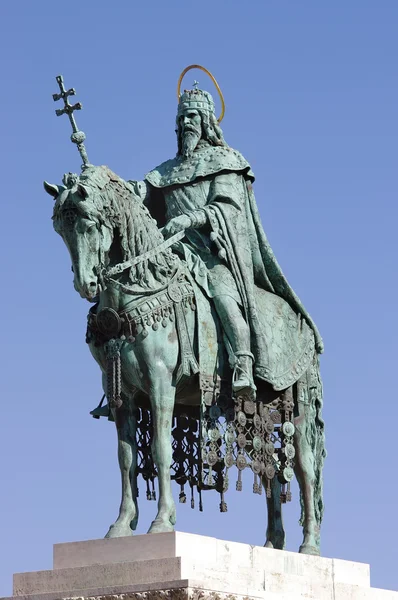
x=192 y=129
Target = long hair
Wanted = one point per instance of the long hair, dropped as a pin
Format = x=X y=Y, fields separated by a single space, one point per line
x=211 y=131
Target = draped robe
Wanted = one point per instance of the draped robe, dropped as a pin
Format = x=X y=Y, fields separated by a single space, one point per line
x=235 y=256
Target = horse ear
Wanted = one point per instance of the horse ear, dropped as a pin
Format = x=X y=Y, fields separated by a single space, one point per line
x=51 y=189
x=83 y=191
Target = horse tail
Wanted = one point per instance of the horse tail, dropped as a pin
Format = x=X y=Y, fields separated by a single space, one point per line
x=315 y=433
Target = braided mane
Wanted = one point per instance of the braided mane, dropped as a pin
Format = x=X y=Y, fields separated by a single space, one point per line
x=103 y=197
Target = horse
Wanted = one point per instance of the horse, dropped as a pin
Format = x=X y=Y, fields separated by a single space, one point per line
x=121 y=261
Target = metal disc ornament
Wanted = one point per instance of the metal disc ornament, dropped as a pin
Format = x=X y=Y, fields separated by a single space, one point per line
x=174 y=292
x=241 y=462
x=241 y=440
x=229 y=437
x=242 y=420
x=257 y=443
x=229 y=460
x=108 y=322
x=269 y=471
x=214 y=434
x=256 y=466
x=257 y=421
x=269 y=448
x=212 y=458
x=290 y=451
x=288 y=428
x=269 y=426
x=288 y=474
x=250 y=407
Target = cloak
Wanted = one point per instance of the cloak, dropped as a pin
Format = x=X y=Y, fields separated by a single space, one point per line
x=236 y=233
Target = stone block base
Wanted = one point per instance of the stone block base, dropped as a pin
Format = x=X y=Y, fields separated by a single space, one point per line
x=182 y=566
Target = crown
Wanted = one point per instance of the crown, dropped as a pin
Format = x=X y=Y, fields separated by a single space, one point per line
x=198 y=99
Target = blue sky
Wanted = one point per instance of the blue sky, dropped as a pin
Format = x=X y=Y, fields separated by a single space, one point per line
x=311 y=93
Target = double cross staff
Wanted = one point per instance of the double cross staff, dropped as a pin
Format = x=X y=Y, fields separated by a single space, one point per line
x=77 y=136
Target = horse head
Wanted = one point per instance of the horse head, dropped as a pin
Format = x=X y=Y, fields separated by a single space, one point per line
x=103 y=222
x=82 y=216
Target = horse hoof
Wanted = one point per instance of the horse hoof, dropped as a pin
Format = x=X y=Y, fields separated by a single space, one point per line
x=160 y=527
x=312 y=550
x=119 y=530
x=276 y=541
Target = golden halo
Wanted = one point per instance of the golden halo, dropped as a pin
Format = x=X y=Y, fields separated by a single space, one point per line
x=185 y=71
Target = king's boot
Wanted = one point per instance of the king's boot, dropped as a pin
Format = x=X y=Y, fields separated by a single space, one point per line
x=242 y=379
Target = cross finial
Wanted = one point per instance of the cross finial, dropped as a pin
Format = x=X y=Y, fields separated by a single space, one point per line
x=77 y=136
x=195 y=84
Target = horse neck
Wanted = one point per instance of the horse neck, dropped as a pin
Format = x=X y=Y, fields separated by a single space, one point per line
x=141 y=235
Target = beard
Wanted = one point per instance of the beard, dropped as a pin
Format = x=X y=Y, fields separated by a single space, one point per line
x=190 y=140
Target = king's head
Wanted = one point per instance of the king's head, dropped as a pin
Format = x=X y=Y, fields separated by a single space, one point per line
x=196 y=122
x=196 y=100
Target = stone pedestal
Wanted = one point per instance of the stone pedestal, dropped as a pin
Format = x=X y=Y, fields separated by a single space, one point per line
x=182 y=566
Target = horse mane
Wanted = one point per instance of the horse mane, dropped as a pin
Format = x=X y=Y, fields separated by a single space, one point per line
x=105 y=198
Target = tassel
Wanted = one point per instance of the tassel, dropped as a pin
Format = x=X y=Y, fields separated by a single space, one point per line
x=288 y=493
x=268 y=488
x=255 y=485
x=148 y=491
x=182 y=497
x=210 y=480
x=283 y=494
x=239 y=482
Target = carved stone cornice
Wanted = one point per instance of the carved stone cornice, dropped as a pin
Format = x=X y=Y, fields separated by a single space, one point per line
x=185 y=593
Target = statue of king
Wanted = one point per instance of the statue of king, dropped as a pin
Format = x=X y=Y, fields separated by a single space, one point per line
x=206 y=191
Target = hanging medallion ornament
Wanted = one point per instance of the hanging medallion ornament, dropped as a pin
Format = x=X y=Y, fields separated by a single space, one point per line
x=198 y=98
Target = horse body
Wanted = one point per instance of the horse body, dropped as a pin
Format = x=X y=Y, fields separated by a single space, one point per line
x=103 y=225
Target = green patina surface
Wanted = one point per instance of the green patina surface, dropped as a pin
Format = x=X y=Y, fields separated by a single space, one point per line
x=219 y=262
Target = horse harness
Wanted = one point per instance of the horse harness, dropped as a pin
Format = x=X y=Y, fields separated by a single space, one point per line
x=110 y=329
x=249 y=426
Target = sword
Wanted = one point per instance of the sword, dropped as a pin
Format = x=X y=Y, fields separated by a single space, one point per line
x=135 y=261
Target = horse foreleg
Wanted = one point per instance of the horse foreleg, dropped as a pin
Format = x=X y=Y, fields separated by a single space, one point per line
x=305 y=473
x=162 y=396
x=127 y=453
x=275 y=536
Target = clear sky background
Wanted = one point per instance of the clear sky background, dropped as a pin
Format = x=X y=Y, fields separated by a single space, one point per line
x=311 y=91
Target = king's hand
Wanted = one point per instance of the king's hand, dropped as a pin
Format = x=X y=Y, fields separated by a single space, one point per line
x=176 y=225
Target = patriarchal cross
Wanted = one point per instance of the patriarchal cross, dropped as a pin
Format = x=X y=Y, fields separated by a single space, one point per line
x=77 y=136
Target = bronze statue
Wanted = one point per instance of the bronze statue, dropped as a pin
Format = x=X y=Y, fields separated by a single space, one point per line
x=196 y=330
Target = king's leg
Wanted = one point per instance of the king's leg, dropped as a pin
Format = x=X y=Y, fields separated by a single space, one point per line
x=238 y=333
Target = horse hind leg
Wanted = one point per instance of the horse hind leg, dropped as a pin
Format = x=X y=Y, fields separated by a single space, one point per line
x=127 y=520
x=310 y=453
x=275 y=536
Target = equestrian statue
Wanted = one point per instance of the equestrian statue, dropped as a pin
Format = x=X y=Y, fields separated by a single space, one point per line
x=209 y=361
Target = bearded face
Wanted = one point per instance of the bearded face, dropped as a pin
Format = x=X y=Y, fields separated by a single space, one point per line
x=191 y=131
